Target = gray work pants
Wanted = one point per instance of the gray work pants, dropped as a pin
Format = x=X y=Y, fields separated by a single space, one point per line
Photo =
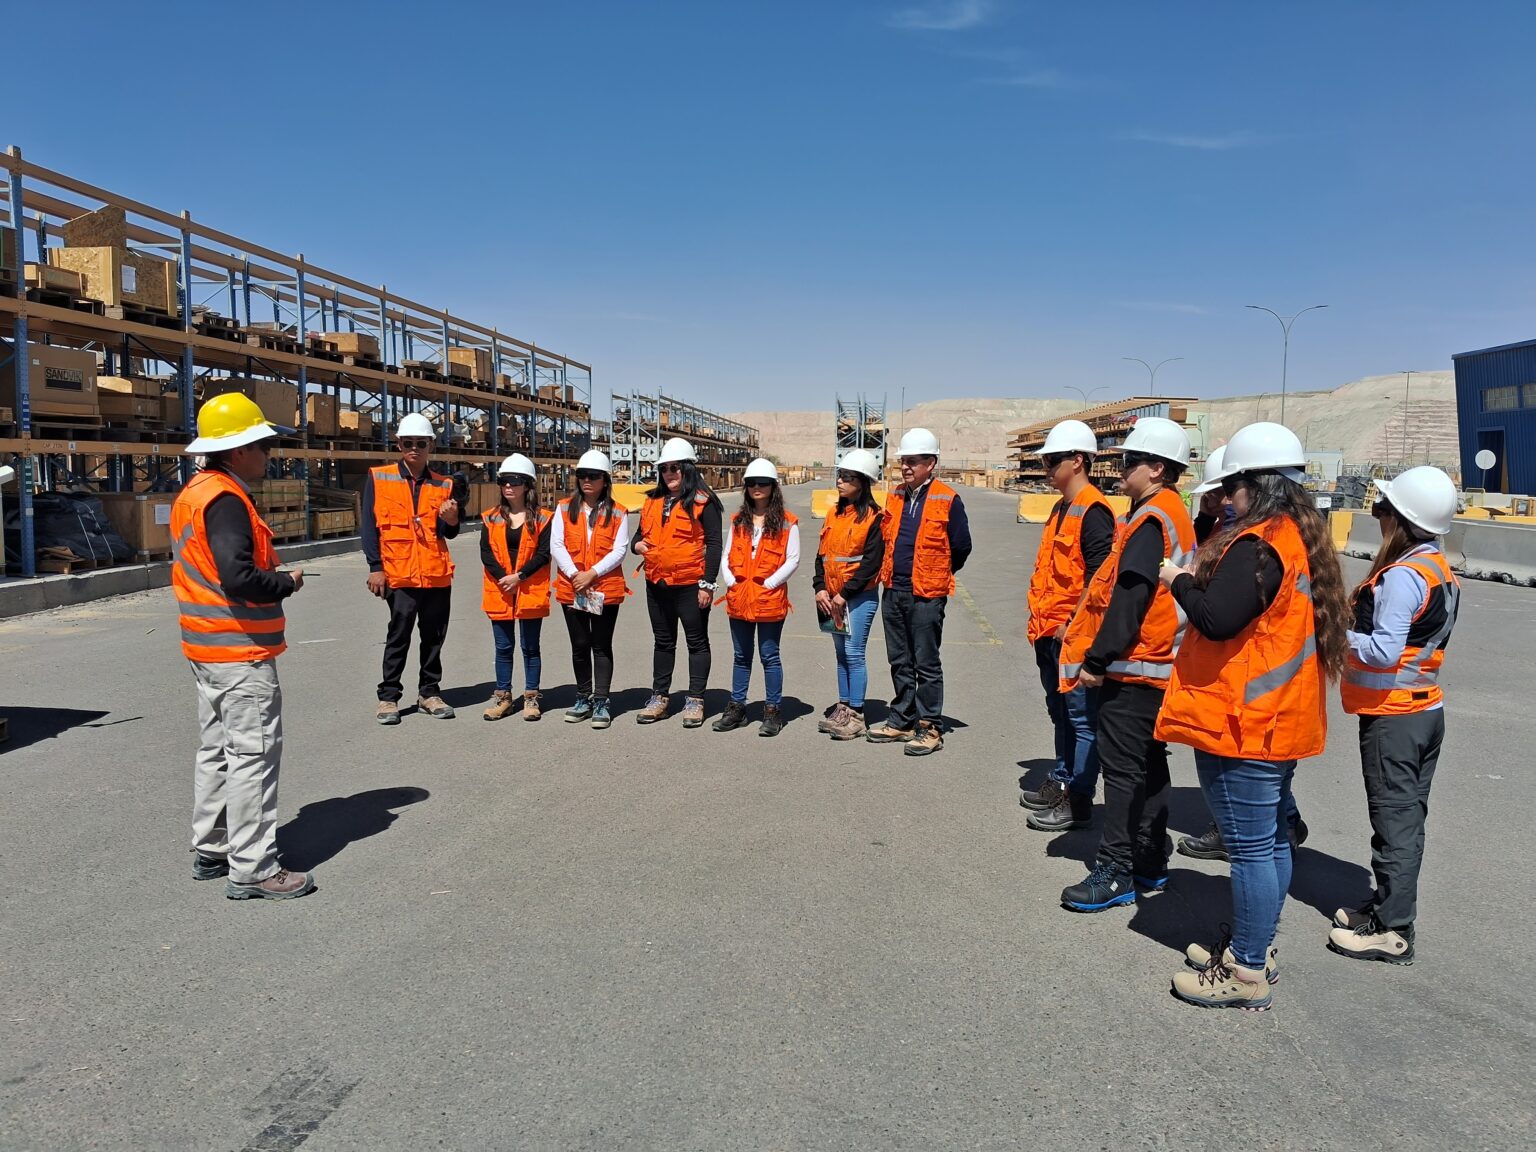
x=1398 y=756
x=234 y=785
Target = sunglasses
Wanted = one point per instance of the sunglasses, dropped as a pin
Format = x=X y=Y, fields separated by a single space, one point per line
x=849 y=477
x=1056 y=459
x=1230 y=484
x=415 y=442
x=514 y=481
x=914 y=461
x=668 y=469
x=755 y=483
x=1133 y=460
x=589 y=474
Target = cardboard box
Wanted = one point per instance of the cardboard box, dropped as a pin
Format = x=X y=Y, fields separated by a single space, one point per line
x=50 y=279
x=354 y=343
x=356 y=424
x=471 y=363
x=277 y=399
x=321 y=413
x=129 y=386
x=143 y=519
x=117 y=407
x=7 y=248
x=107 y=227
x=118 y=277
x=60 y=381
x=170 y=409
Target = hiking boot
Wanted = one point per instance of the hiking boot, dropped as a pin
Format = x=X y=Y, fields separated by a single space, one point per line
x=1044 y=798
x=1224 y=985
x=1074 y=810
x=209 y=867
x=926 y=741
x=1207 y=847
x=693 y=711
x=1352 y=918
x=655 y=709
x=388 y=713
x=1298 y=833
x=500 y=705
x=773 y=723
x=435 y=707
x=282 y=885
x=531 y=709
x=832 y=717
x=1371 y=941
x=851 y=726
x=1200 y=957
x=600 y=717
x=888 y=734
x=1105 y=887
x=579 y=711
x=734 y=717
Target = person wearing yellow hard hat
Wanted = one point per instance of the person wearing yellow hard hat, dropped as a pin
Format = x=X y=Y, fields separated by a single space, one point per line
x=229 y=595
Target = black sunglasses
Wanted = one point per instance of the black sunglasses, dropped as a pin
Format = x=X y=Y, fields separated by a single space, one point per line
x=415 y=442
x=1229 y=484
x=755 y=482
x=849 y=477
x=1056 y=459
x=670 y=468
x=514 y=481
x=1134 y=460
x=589 y=474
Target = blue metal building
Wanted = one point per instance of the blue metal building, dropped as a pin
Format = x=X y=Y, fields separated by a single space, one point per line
x=1496 y=410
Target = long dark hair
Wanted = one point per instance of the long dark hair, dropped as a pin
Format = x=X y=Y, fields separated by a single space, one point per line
x=693 y=484
x=1272 y=495
x=773 y=515
x=604 y=507
x=530 y=495
x=863 y=504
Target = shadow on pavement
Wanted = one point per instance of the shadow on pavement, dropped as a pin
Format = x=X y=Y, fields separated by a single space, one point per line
x=457 y=698
x=1034 y=773
x=31 y=725
x=1327 y=883
x=1188 y=911
x=323 y=829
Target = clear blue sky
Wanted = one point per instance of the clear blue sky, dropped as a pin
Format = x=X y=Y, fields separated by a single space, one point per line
x=754 y=205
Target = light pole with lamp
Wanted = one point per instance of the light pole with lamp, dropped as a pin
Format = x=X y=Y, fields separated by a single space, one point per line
x=1285 y=355
x=1151 y=368
x=1085 y=395
x=1407 y=378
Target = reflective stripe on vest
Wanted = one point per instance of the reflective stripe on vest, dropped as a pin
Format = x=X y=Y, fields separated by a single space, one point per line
x=531 y=599
x=1061 y=571
x=932 y=576
x=841 y=533
x=1414 y=685
x=410 y=550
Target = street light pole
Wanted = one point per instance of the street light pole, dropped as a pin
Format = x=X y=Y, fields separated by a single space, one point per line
x=1407 y=379
x=1085 y=395
x=1152 y=369
x=1285 y=354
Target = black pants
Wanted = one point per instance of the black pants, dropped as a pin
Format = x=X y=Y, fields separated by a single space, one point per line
x=668 y=606
x=1136 y=784
x=1398 y=755
x=426 y=610
x=592 y=647
x=914 y=631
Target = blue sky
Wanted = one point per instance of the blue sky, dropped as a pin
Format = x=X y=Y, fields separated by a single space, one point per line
x=755 y=205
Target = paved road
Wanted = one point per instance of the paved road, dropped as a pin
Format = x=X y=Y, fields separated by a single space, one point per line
x=537 y=936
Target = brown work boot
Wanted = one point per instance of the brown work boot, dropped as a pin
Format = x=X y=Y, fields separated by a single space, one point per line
x=655 y=709
x=693 y=711
x=500 y=705
x=531 y=709
x=435 y=707
x=282 y=885
x=851 y=726
x=832 y=717
x=1223 y=985
x=388 y=713
x=926 y=741
x=888 y=734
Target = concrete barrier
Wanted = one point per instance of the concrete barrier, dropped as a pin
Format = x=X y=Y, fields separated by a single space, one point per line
x=1119 y=504
x=1497 y=551
x=1339 y=522
x=632 y=496
x=823 y=500
x=1363 y=539
x=1036 y=507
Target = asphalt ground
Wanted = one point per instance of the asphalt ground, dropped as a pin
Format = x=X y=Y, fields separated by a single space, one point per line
x=540 y=936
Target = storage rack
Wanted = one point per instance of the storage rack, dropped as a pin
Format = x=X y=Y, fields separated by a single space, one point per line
x=1111 y=423
x=536 y=401
x=860 y=424
x=641 y=423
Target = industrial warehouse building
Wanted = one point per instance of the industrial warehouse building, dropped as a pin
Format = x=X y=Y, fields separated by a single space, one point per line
x=1496 y=410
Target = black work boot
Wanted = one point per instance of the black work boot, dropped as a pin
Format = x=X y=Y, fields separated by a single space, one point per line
x=1047 y=796
x=1107 y=886
x=773 y=722
x=1207 y=847
x=734 y=716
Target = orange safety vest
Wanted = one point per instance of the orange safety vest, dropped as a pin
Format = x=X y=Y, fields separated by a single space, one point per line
x=1060 y=570
x=1258 y=696
x=676 y=554
x=747 y=599
x=932 y=576
x=531 y=599
x=215 y=627
x=1162 y=629
x=843 y=536
x=1414 y=684
x=585 y=553
x=413 y=554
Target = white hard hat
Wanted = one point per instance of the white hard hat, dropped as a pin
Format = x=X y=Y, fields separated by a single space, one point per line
x=415 y=424
x=861 y=460
x=918 y=442
x=1212 y=478
x=761 y=469
x=676 y=449
x=1423 y=496
x=1265 y=447
x=516 y=465
x=1070 y=436
x=594 y=461
x=1156 y=436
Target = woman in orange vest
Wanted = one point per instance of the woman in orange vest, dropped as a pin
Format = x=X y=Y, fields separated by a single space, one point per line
x=681 y=539
x=514 y=552
x=1267 y=616
x=1404 y=612
x=762 y=551
x=847 y=583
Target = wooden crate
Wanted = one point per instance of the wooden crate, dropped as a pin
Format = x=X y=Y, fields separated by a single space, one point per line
x=321 y=413
x=133 y=408
x=47 y=278
x=107 y=227
x=471 y=363
x=278 y=494
x=60 y=381
x=353 y=343
x=142 y=519
x=7 y=249
x=170 y=409
x=277 y=399
x=140 y=386
x=285 y=524
x=328 y=522
x=355 y=424
x=481 y=497
x=122 y=278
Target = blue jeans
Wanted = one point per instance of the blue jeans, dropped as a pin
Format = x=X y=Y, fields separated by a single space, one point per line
x=503 y=631
x=1075 y=717
x=1249 y=800
x=768 y=633
x=852 y=671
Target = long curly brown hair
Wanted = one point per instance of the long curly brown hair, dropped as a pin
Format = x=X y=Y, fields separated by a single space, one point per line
x=1273 y=495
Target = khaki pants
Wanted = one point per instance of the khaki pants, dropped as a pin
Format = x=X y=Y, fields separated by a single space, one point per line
x=234 y=789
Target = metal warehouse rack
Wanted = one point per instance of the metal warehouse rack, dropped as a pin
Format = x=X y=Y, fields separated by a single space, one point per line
x=641 y=423
x=531 y=399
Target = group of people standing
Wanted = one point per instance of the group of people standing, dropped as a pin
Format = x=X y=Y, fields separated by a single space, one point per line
x=1221 y=633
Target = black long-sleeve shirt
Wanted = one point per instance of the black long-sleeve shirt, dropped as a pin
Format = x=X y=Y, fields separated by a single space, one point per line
x=514 y=538
x=1097 y=539
x=1205 y=524
x=868 y=571
x=1244 y=584
x=1135 y=583
x=232 y=541
x=714 y=534
x=369 y=526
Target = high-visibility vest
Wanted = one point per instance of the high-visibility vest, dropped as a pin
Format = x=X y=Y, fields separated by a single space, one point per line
x=1259 y=695
x=676 y=553
x=1162 y=629
x=413 y=554
x=585 y=553
x=747 y=599
x=932 y=576
x=531 y=599
x=843 y=536
x=1060 y=571
x=1414 y=684
x=215 y=627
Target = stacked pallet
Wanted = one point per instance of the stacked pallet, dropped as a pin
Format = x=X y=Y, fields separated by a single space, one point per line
x=333 y=512
x=281 y=504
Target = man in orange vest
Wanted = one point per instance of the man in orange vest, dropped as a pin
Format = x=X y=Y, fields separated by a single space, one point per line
x=1077 y=539
x=408 y=516
x=1122 y=639
x=229 y=595
x=928 y=541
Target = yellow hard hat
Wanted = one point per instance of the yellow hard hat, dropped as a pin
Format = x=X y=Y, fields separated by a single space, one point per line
x=231 y=420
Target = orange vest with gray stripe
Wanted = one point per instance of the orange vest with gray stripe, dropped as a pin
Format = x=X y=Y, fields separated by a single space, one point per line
x=1259 y=695
x=932 y=576
x=413 y=554
x=531 y=600
x=215 y=627
x=1060 y=571
x=1414 y=684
